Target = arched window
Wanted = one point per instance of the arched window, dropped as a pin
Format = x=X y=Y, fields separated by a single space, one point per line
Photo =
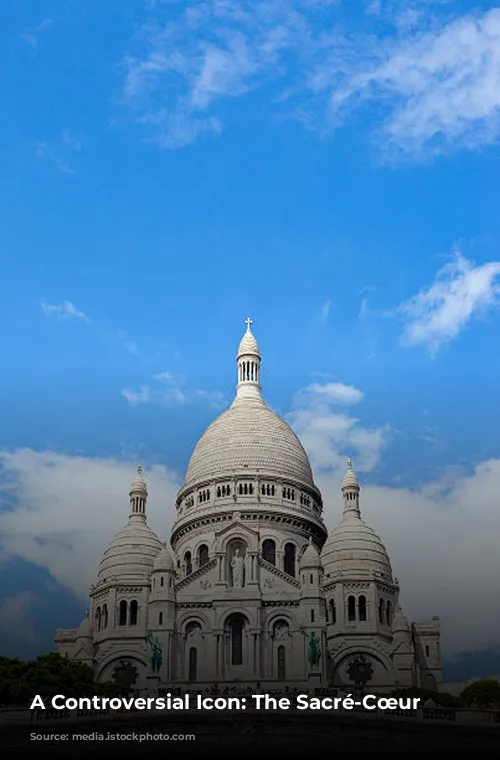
x=122 y=615
x=381 y=611
x=134 y=612
x=104 y=619
x=388 y=613
x=193 y=663
x=98 y=619
x=160 y=618
x=269 y=551
x=237 y=641
x=362 y=608
x=289 y=560
x=351 y=609
x=281 y=663
x=333 y=612
x=203 y=555
x=188 y=563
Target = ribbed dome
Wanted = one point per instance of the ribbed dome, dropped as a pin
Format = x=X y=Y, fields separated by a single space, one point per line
x=311 y=557
x=132 y=552
x=249 y=436
x=84 y=629
x=400 y=623
x=354 y=550
x=163 y=561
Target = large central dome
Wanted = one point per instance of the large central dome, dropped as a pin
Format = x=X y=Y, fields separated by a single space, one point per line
x=249 y=435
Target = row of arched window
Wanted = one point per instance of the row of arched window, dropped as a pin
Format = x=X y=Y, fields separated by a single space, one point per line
x=101 y=618
x=248 y=371
x=128 y=614
x=289 y=555
x=357 y=611
x=202 y=557
x=245 y=489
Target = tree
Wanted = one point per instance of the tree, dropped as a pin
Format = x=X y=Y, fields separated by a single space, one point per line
x=47 y=675
x=484 y=693
x=440 y=699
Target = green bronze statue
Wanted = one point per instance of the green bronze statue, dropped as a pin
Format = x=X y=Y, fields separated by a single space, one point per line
x=155 y=653
x=313 y=651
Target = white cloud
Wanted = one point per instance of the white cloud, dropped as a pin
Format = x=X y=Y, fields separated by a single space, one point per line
x=435 y=79
x=461 y=290
x=65 y=509
x=441 y=86
x=170 y=390
x=331 y=436
x=16 y=616
x=66 y=310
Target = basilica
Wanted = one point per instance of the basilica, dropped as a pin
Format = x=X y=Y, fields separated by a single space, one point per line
x=253 y=591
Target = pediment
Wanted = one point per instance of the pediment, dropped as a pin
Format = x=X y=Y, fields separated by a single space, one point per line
x=82 y=653
x=274 y=580
x=237 y=529
x=403 y=647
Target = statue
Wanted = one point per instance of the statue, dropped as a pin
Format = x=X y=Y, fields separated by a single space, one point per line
x=314 y=651
x=155 y=653
x=237 y=568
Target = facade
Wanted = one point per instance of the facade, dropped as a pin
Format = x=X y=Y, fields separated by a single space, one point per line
x=253 y=591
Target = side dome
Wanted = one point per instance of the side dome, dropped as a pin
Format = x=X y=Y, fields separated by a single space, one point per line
x=132 y=552
x=163 y=562
x=311 y=557
x=400 y=623
x=249 y=437
x=353 y=549
x=84 y=629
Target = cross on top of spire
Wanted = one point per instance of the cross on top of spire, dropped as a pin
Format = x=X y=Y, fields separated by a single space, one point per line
x=248 y=323
x=349 y=464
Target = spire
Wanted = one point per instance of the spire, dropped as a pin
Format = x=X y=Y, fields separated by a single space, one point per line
x=350 y=491
x=138 y=495
x=248 y=359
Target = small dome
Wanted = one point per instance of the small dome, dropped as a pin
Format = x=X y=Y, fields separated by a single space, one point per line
x=138 y=485
x=85 y=629
x=132 y=552
x=354 y=550
x=163 y=561
x=311 y=557
x=400 y=624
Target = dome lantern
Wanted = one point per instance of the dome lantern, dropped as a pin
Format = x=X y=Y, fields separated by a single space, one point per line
x=248 y=359
x=350 y=491
x=138 y=495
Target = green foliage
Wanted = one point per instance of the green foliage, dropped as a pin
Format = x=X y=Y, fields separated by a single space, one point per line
x=440 y=699
x=485 y=693
x=49 y=674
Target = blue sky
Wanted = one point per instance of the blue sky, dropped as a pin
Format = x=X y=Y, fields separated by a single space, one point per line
x=170 y=169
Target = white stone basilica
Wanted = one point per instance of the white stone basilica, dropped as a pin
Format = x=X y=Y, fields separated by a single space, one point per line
x=252 y=572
